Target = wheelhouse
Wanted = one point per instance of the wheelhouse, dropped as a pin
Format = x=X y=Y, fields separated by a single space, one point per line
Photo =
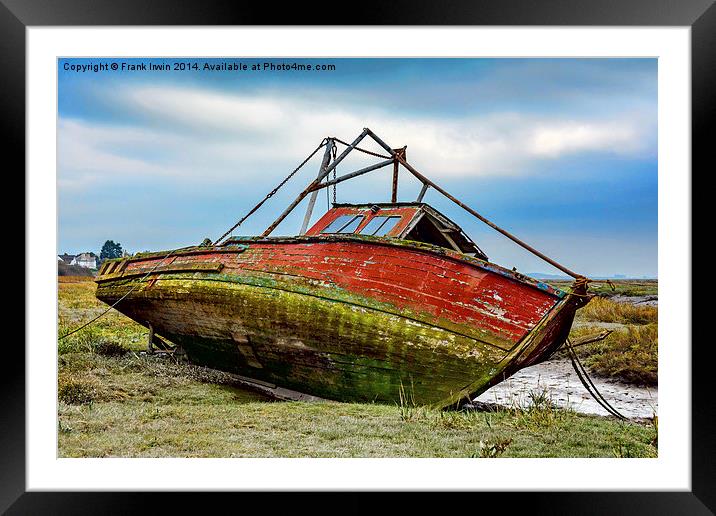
x=418 y=222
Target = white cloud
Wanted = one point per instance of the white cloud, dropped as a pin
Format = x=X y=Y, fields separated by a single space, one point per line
x=188 y=133
x=559 y=139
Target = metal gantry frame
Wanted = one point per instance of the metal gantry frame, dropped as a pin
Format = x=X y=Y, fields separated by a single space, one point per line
x=397 y=158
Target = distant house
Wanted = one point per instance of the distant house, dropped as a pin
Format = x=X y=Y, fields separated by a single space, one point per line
x=86 y=260
x=66 y=258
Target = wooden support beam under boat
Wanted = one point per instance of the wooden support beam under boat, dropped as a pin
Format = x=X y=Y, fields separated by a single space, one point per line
x=465 y=207
x=154 y=339
x=150 y=339
x=308 y=190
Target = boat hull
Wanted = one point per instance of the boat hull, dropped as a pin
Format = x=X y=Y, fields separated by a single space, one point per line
x=323 y=332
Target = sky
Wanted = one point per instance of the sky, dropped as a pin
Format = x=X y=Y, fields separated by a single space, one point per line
x=560 y=152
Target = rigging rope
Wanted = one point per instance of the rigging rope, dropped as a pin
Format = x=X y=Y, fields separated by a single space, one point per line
x=583 y=283
x=272 y=192
x=118 y=300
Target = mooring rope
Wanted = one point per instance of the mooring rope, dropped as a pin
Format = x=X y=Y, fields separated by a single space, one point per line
x=118 y=300
x=583 y=282
x=589 y=384
x=271 y=193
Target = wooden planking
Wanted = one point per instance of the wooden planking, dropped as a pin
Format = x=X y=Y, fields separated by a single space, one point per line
x=182 y=266
x=432 y=286
x=342 y=351
x=215 y=310
x=406 y=278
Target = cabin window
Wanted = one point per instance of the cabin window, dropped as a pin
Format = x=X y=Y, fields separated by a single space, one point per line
x=379 y=226
x=344 y=224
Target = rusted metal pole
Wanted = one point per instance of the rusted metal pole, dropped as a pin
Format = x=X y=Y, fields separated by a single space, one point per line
x=465 y=207
x=422 y=192
x=312 y=199
x=345 y=177
x=394 y=191
x=396 y=164
x=308 y=190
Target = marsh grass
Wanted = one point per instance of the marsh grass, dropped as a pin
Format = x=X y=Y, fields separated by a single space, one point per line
x=655 y=425
x=629 y=354
x=77 y=305
x=537 y=410
x=604 y=310
x=493 y=448
x=407 y=407
x=76 y=390
x=81 y=341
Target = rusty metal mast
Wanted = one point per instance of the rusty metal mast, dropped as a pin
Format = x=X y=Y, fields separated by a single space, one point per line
x=397 y=157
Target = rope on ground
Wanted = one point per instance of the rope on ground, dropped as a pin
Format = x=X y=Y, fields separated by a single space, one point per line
x=118 y=300
x=588 y=384
x=271 y=193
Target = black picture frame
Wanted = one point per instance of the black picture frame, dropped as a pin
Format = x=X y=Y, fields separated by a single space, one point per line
x=17 y=15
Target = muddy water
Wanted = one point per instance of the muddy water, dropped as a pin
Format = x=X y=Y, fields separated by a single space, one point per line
x=561 y=384
x=557 y=379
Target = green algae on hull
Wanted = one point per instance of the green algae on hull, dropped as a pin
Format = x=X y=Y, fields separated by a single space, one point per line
x=333 y=350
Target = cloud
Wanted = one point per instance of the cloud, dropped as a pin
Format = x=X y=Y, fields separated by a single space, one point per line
x=567 y=138
x=89 y=152
x=189 y=133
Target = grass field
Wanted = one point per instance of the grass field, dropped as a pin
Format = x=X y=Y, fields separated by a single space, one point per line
x=116 y=402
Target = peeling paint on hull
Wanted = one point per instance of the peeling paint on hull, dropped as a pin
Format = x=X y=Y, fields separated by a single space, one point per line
x=343 y=320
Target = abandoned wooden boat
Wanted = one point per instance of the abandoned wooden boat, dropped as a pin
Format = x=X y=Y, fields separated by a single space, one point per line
x=373 y=302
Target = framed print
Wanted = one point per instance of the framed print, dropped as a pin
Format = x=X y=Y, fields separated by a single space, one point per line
x=471 y=203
